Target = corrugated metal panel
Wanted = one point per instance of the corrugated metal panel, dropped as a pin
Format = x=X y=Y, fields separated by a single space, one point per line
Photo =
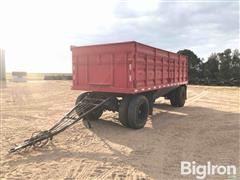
x=128 y=67
x=102 y=67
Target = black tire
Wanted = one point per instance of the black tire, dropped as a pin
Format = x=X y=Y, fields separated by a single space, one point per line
x=96 y=114
x=123 y=111
x=173 y=99
x=80 y=97
x=138 y=111
x=92 y=116
x=181 y=96
x=178 y=97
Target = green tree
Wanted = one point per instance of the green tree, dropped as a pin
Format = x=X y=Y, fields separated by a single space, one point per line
x=225 y=59
x=235 y=65
x=194 y=64
x=220 y=68
x=211 y=67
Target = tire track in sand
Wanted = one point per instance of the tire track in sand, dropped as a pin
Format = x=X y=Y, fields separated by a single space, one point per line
x=197 y=97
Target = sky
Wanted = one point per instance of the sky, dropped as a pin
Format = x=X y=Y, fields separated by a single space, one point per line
x=37 y=34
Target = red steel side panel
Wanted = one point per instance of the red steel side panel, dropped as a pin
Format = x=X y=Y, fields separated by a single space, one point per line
x=128 y=67
x=156 y=68
x=103 y=67
x=162 y=67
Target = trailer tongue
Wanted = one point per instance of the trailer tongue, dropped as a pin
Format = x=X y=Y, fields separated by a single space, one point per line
x=88 y=104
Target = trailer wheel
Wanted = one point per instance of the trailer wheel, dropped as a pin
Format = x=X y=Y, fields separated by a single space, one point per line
x=138 y=111
x=96 y=114
x=173 y=99
x=181 y=97
x=123 y=111
x=92 y=116
x=178 y=97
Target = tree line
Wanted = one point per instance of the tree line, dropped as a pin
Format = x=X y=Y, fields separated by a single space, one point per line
x=221 y=68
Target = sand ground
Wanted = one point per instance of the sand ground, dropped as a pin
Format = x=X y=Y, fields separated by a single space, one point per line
x=206 y=129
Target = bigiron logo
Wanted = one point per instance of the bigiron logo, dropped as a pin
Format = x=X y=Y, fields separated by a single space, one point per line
x=202 y=171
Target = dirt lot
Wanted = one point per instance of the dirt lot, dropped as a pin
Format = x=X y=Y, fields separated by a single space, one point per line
x=206 y=129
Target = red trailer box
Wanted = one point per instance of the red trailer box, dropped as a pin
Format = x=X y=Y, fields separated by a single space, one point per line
x=128 y=67
x=133 y=75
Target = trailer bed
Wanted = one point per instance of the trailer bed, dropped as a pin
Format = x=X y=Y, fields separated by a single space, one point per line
x=127 y=67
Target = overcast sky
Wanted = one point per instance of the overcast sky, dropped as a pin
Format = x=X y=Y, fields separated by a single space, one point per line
x=37 y=34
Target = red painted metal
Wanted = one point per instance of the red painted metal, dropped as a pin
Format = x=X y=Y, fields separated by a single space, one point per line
x=127 y=67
